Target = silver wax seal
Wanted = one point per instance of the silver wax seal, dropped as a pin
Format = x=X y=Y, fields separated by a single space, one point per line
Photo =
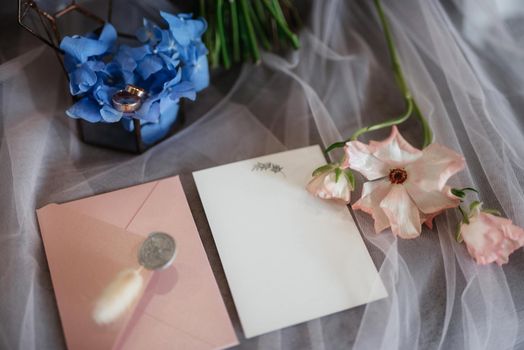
x=157 y=252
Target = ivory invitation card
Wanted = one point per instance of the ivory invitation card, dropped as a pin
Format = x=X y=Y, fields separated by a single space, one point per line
x=288 y=257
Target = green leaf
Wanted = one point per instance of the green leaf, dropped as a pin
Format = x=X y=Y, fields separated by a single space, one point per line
x=474 y=205
x=338 y=172
x=492 y=212
x=334 y=146
x=350 y=177
x=458 y=193
x=458 y=234
x=470 y=189
x=322 y=169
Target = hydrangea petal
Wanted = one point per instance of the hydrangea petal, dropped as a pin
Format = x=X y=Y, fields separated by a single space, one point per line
x=109 y=114
x=126 y=61
x=152 y=132
x=149 y=32
x=87 y=109
x=82 y=48
x=150 y=110
x=81 y=80
x=104 y=94
x=166 y=43
x=149 y=65
x=137 y=53
x=184 y=29
x=183 y=89
x=108 y=34
x=402 y=213
x=171 y=62
x=197 y=73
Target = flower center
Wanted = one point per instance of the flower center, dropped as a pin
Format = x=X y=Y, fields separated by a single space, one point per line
x=397 y=175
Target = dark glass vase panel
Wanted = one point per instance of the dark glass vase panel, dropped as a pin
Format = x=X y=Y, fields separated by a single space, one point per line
x=130 y=135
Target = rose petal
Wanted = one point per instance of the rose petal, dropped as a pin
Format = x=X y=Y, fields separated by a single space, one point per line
x=359 y=157
x=395 y=150
x=435 y=167
x=402 y=213
x=490 y=238
x=326 y=186
x=372 y=194
x=431 y=201
x=428 y=218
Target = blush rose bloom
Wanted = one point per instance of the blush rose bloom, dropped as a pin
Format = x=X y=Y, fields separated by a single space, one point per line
x=491 y=238
x=326 y=186
x=407 y=186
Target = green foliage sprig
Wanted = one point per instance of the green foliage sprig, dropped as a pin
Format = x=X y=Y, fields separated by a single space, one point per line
x=239 y=29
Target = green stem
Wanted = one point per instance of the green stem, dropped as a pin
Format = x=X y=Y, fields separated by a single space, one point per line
x=395 y=62
x=391 y=122
x=259 y=29
x=281 y=22
x=250 y=31
x=399 y=75
x=207 y=34
x=222 y=34
x=426 y=129
x=459 y=234
x=464 y=215
x=245 y=46
x=234 y=28
x=202 y=8
x=259 y=9
x=215 y=52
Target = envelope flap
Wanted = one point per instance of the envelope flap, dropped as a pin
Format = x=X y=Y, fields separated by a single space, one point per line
x=184 y=304
x=84 y=254
x=117 y=207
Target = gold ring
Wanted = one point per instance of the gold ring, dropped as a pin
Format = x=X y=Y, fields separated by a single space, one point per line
x=126 y=102
x=135 y=90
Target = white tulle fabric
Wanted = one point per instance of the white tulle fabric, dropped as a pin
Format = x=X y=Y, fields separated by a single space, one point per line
x=464 y=61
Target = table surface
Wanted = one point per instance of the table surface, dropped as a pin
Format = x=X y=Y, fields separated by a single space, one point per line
x=464 y=63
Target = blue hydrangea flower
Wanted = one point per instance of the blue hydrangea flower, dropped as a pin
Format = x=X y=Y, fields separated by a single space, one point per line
x=173 y=90
x=170 y=64
x=96 y=107
x=187 y=33
x=183 y=28
x=149 y=33
x=196 y=67
x=78 y=59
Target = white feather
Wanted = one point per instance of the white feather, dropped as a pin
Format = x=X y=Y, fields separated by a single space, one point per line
x=118 y=296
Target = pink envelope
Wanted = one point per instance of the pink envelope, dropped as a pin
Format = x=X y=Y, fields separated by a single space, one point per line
x=87 y=242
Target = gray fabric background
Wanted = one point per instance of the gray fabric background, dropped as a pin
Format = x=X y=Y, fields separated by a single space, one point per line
x=464 y=63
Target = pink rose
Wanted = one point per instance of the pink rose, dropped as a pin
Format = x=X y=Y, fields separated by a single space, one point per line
x=407 y=186
x=326 y=186
x=490 y=238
